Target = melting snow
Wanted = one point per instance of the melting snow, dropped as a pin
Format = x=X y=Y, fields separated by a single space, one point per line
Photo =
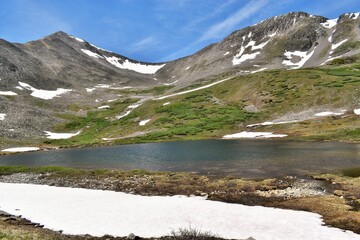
x=304 y=57
x=2 y=116
x=330 y=23
x=21 y=149
x=142 y=123
x=245 y=134
x=357 y=111
x=78 y=211
x=7 y=93
x=44 y=94
x=104 y=107
x=51 y=135
x=91 y=54
x=137 y=67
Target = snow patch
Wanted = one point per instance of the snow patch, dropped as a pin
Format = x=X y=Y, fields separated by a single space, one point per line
x=21 y=149
x=237 y=60
x=19 y=88
x=51 y=135
x=90 y=89
x=272 y=123
x=304 y=57
x=2 y=116
x=357 y=111
x=104 y=107
x=245 y=134
x=167 y=103
x=91 y=54
x=124 y=115
x=144 y=122
x=7 y=93
x=227 y=53
x=187 y=67
x=137 y=67
x=77 y=211
x=354 y=15
x=330 y=23
x=44 y=94
x=259 y=70
x=325 y=114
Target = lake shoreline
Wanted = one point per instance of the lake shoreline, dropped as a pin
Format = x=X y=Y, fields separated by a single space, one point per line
x=326 y=196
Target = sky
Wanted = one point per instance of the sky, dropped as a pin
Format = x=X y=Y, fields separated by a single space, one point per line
x=150 y=30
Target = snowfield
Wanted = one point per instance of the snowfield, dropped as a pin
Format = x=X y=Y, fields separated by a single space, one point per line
x=44 y=94
x=137 y=67
x=96 y=212
x=330 y=23
x=304 y=57
x=2 y=116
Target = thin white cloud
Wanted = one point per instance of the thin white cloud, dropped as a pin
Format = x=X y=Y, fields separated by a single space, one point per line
x=143 y=44
x=221 y=28
x=217 y=11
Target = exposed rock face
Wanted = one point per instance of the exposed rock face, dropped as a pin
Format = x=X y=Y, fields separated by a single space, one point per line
x=61 y=61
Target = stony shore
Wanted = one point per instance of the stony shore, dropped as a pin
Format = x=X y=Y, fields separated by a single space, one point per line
x=335 y=201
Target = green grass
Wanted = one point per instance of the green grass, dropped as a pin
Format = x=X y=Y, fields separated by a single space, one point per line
x=219 y=110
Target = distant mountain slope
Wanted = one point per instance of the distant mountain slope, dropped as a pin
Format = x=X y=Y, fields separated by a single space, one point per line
x=51 y=80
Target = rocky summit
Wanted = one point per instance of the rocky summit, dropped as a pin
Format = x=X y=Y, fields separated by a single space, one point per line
x=50 y=83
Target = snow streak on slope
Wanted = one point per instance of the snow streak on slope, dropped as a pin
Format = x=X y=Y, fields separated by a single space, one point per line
x=96 y=212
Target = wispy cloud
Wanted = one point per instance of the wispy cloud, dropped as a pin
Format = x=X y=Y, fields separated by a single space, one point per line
x=143 y=44
x=221 y=28
x=217 y=11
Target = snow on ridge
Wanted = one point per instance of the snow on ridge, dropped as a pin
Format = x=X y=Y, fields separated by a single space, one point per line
x=8 y=93
x=2 y=116
x=76 y=38
x=91 y=54
x=137 y=67
x=353 y=15
x=304 y=57
x=44 y=94
x=330 y=23
x=21 y=149
x=100 y=48
x=144 y=122
x=51 y=135
x=245 y=134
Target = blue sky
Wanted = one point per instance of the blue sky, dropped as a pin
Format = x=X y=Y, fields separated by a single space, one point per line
x=150 y=30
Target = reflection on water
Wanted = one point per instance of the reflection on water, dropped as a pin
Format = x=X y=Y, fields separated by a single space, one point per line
x=253 y=159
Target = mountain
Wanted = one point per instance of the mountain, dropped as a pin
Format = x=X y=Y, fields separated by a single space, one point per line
x=51 y=81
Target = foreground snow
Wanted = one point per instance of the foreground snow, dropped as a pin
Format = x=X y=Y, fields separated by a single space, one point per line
x=21 y=149
x=245 y=134
x=96 y=212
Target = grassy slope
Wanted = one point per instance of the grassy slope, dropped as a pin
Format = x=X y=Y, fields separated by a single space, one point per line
x=215 y=111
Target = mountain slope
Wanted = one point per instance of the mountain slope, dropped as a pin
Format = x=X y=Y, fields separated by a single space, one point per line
x=63 y=83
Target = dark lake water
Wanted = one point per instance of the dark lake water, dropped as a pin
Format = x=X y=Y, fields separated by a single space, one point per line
x=252 y=159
